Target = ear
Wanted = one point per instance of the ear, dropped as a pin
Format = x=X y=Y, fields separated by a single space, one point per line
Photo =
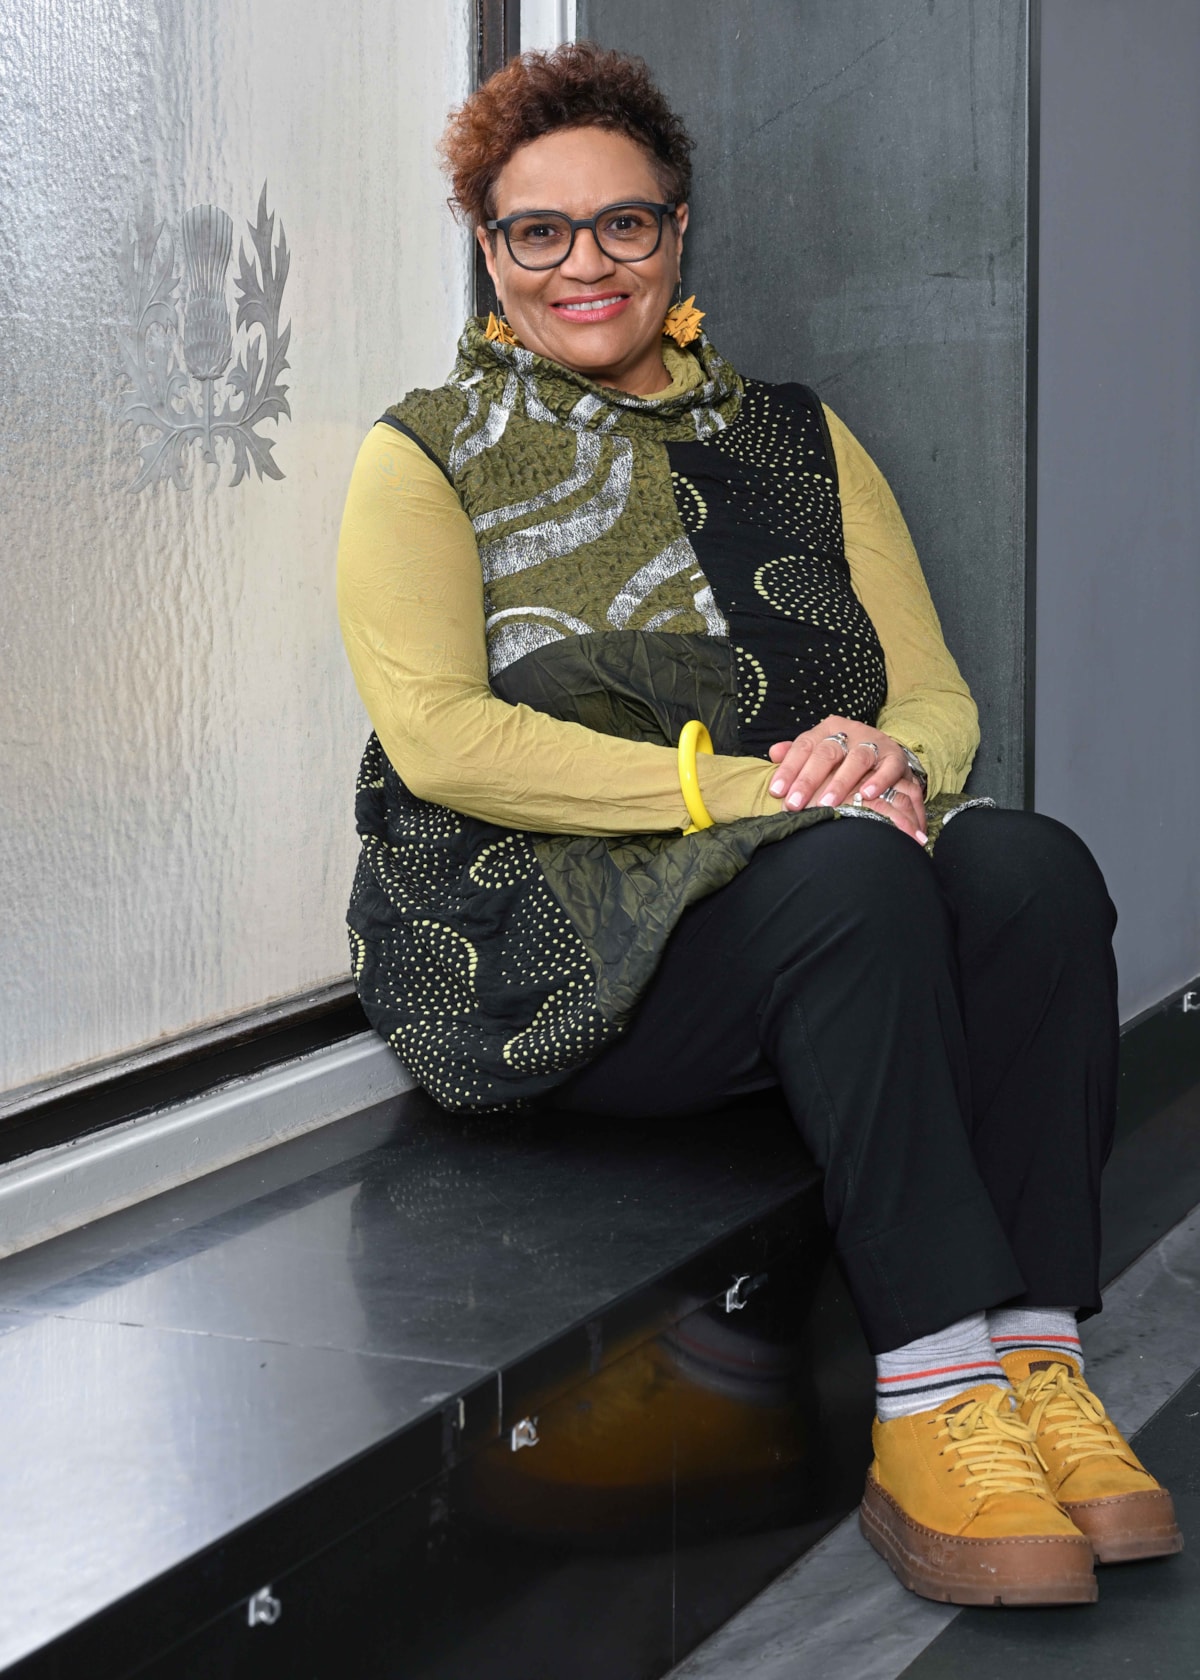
x=488 y=244
x=681 y=222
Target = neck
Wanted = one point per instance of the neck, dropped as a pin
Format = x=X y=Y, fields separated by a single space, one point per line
x=644 y=378
x=643 y=374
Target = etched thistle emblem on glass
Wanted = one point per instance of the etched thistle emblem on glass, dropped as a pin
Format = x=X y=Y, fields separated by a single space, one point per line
x=207 y=248
x=178 y=351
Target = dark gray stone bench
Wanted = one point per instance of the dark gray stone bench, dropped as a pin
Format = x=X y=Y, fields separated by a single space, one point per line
x=307 y=1378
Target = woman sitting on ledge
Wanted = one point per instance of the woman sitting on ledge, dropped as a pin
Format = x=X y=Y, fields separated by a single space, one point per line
x=594 y=535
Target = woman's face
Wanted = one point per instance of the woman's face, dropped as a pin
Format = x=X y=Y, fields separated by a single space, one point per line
x=619 y=340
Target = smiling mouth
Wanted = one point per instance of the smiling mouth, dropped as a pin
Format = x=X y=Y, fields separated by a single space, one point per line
x=591 y=308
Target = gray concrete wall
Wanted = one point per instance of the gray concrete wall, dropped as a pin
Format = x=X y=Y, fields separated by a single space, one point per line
x=859 y=222
x=1118 y=580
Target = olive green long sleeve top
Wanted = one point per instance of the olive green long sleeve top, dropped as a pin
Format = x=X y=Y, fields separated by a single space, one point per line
x=410 y=600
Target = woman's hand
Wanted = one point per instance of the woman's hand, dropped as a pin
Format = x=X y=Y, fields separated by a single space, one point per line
x=815 y=768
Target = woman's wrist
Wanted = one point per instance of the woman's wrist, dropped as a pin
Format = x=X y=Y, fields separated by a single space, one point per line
x=734 y=788
x=914 y=764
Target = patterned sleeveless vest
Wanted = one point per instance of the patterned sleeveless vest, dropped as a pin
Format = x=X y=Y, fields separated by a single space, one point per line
x=644 y=562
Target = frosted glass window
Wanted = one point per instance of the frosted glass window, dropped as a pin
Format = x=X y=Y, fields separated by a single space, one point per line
x=191 y=197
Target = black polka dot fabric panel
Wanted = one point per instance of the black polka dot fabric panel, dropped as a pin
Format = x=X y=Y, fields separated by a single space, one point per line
x=760 y=505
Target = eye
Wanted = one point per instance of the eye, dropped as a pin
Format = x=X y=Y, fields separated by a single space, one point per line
x=623 y=223
x=539 y=230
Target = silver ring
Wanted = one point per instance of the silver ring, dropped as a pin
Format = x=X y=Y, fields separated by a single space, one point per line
x=871 y=745
x=841 y=740
x=888 y=796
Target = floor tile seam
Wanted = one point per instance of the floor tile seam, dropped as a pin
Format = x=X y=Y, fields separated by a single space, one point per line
x=255 y=1341
x=1162 y=1407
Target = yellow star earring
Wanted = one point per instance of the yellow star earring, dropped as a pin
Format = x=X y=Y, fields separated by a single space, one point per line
x=683 y=321
x=499 y=331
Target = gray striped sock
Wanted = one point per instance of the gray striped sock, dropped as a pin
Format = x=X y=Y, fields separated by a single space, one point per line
x=926 y=1373
x=1034 y=1330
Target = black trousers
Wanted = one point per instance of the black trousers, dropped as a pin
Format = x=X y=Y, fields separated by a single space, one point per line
x=944 y=1032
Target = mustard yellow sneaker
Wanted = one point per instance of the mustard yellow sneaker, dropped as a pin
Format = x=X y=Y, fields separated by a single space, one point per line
x=958 y=1504
x=1093 y=1472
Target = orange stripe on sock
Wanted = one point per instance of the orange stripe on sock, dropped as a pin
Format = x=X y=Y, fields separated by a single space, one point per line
x=1039 y=1341
x=939 y=1371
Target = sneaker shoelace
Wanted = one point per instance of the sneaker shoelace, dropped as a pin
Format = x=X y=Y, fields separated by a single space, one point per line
x=996 y=1447
x=1065 y=1407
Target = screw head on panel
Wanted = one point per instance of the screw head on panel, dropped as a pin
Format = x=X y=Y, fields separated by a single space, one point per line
x=264 y=1609
x=525 y=1434
x=735 y=1295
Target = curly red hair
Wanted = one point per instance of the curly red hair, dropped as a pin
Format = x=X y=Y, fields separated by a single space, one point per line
x=577 y=85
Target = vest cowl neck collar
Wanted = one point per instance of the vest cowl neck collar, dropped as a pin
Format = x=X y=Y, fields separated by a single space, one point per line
x=554 y=392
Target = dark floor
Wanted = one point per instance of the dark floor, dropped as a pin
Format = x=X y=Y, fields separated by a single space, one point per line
x=1151 y=1181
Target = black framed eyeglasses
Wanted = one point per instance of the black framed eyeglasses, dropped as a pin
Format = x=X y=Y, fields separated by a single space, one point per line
x=628 y=232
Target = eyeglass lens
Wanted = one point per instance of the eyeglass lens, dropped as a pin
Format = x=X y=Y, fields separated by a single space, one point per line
x=625 y=232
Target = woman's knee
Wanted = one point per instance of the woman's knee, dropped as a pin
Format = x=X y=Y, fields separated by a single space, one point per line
x=876 y=880
x=1023 y=859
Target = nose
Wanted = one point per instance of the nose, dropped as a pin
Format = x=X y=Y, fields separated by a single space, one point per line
x=587 y=263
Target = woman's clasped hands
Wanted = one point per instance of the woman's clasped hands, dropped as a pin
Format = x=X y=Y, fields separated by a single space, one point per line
x=843 y=762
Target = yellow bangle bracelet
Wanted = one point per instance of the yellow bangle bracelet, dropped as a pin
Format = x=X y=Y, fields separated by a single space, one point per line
x=693 y=738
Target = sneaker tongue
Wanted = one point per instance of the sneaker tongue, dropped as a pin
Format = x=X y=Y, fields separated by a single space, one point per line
x=1021 y=1365
x=984 y=1392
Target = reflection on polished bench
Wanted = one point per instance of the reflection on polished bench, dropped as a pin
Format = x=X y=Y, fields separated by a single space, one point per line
x=511 y=1396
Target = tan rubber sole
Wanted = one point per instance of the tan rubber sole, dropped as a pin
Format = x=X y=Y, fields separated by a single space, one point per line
x=1129 y=1526
x=1023 y=1571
